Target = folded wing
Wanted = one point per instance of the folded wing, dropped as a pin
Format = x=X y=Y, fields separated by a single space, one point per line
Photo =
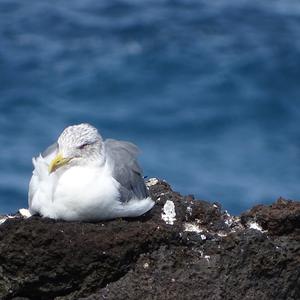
x=122 y=158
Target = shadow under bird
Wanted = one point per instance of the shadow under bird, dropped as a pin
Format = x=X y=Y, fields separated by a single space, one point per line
x=83 y=177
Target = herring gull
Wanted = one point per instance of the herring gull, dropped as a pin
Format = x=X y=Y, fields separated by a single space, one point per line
x=82 y=177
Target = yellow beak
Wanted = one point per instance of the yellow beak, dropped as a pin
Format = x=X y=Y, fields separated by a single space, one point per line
x=58 y=162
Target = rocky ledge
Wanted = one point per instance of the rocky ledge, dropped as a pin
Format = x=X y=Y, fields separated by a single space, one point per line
x=182 y=249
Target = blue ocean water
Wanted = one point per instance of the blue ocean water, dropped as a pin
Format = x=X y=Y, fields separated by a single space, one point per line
x=209 y=90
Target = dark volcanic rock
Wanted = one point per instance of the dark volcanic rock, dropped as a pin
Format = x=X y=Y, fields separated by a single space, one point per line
x=199 y=253
x=282 y=217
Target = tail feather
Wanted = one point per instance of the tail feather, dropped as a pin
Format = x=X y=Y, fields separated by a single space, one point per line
x=137 y=207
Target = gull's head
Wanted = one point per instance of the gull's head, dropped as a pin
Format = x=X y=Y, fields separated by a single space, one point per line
x=78 y=144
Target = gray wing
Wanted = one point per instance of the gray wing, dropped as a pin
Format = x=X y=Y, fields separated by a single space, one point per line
x=122 y=156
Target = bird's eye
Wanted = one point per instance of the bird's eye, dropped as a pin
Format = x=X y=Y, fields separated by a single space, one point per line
x=82 y=146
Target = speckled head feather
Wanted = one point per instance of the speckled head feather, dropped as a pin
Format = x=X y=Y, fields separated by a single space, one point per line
x=79 y=134
x=80 y=141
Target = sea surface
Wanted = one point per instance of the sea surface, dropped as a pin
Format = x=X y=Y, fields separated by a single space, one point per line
x=209 y=90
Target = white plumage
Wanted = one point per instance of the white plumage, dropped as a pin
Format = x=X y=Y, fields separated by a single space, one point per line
x=82 y=177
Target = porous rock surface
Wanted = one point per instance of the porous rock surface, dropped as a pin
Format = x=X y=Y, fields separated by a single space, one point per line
x=182 y=249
